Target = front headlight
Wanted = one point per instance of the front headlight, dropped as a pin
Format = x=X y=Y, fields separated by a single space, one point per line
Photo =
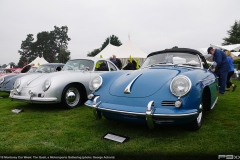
x=46 y=85
x=1 y=80
x=180 y=86
x=95 y=83
x=17 y=83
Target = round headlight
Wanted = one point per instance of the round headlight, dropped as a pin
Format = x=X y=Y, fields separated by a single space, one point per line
x=95 y=83
x=17 y=83
x=180 y=86
x=46 y=85
x=1 y=80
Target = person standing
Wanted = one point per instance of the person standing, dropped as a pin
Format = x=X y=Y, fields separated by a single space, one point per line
x=119 y=63
x=114 y=61
x=221 y=69
x=129 y=66
x=230 y=72
x=134 y=64
x=27 y=68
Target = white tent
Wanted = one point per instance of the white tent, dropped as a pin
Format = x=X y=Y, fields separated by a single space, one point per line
x=127 y=49
x=235 y=47
x=108 y=51
x=236 y=53
x=123 y=52
x=38 y=61
x=8 y=67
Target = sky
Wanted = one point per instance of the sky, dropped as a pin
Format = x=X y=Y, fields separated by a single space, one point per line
x=153 y=25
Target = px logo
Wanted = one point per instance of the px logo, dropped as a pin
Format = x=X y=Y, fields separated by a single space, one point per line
x=228 y=157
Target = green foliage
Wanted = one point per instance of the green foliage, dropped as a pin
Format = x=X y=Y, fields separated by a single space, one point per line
x=234 y=34
x=63 y=56
x=4 y=66
x=237 y=61
x=48 y=45
x=114 y=40
x=93 y=53
x=12 y=65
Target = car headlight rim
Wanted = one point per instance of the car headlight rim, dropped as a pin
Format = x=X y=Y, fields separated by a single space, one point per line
x=186 y=89
x=95 y=83
x=17 y=83
x=46 y=85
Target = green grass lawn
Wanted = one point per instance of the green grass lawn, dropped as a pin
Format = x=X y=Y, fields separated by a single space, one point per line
x=50 y=130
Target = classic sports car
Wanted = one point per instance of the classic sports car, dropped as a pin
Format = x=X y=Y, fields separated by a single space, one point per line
x=68 y=87
x=6 y=83
x=173 y=86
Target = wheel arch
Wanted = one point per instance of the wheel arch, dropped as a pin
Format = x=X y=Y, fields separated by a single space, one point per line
x=206 y=98
x=81 y=88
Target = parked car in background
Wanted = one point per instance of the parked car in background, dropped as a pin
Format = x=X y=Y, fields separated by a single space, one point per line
x=68 y=87
x=5 y=72
x=171 y=87
x=6 y=83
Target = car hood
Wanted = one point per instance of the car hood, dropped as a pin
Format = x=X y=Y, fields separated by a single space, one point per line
x=143 y=83
x=39 y=80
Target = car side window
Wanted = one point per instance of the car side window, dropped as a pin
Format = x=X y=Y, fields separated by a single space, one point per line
x=101 y=66
x=112 y=67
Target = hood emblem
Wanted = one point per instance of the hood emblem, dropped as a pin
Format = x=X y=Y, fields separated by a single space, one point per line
x=128 y=88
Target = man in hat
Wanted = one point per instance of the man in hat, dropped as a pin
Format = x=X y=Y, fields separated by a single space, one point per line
x=221 y=69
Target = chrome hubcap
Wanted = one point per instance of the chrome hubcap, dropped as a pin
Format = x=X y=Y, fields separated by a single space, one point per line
x=72 y=97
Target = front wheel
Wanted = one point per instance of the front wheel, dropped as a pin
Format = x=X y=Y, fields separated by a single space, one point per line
x=197 y=123
x=71 y=97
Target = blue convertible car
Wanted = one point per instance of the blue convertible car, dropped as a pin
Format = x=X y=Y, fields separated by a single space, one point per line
x=173 y=86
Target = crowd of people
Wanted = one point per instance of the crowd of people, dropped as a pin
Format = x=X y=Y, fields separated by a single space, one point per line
x=224 y=69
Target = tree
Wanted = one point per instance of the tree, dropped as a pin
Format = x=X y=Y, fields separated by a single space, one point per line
x=45 y=46
x=26 y=50
x=234 y=34
x=4 y=66
x=93 y=53
x=114 y=40
x=61 y=39
x=63 y=56
x=48 y=45
x=12 y=65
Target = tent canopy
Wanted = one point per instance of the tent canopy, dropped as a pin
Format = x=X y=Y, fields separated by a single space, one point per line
x=108 y=51
x=123 y=51
x=38 y=61
x=235 y=47
x=127 y=49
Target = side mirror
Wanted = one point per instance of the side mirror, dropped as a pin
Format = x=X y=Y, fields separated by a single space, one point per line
x=213 y=65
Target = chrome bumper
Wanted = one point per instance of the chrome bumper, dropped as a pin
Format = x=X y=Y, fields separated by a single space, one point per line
x=31 y=99
x=149 y=114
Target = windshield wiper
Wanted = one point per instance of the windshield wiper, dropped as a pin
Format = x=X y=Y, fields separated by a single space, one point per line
x=39 y=71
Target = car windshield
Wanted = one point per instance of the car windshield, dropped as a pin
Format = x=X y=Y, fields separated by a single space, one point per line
x=32 y=69
x=182 y=59
x=79 y=64
x=45 y=69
